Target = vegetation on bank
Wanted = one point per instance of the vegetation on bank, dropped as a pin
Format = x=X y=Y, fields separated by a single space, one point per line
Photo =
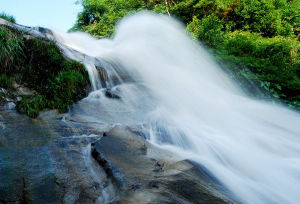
x=39 y=65
x=7 y=17
x=258 y=40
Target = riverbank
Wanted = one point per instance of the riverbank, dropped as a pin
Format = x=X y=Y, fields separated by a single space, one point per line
x=35 y=73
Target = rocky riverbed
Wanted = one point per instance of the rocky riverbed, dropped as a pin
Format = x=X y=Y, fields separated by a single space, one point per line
x=56 y=160
x=73 y=158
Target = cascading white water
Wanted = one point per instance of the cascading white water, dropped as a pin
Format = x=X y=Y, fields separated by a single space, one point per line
x=193 y=109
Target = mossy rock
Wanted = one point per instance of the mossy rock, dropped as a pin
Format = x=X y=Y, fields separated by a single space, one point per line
x=39 y=64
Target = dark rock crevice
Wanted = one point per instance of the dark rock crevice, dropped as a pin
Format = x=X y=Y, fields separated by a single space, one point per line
x=149 y=175
x=111 y=172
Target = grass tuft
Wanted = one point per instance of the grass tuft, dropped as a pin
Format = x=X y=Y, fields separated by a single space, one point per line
x=7 y=17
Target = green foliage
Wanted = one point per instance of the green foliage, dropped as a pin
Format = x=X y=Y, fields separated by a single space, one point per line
x=279 y=51
x=69 y=88
x=10 y=49
x=59 y=82
x=8 y=17
x=6 y=82
x=209 y=30
x=39 y=64
x=291 y=15
x=66 y=88
x=257 y=39
x=256 y=16
x=258 y=34
x=100 y=17
x=44 y=62
x=32 y=105
x=275 y=61
x=268 y=17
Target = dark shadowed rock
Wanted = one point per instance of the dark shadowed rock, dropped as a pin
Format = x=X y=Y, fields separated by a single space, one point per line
x=48 y=162
x=102 y=75
x=155 y=176
x=109 y=93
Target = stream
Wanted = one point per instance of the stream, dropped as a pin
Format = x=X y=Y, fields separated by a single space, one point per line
x=168 y=85
x=155 y=92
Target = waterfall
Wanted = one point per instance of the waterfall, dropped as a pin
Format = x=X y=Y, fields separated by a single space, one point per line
x=169 y=84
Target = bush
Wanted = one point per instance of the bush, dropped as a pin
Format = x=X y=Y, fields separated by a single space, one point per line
x=39 y=65
x=8 y=17
x=58 y=81
x=70 y=87
x=32 y=105
x=99 y=17
x=279 y=50
x=209 y=30
x=45 y=61
x=6 y=82
x=10 y=49
x=274 y=61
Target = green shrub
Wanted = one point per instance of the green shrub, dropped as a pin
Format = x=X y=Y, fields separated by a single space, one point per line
x=209 y=30
x=99 y=17
x=39 y=64
x=58 y=81
x=6 y=82
x=278 y=50
x=67 y=86
x=8 y=17
x=44 y=62
x=32 y=105
x=60 y=93
x=10 y=49
x=274 y=62
x=70 y=87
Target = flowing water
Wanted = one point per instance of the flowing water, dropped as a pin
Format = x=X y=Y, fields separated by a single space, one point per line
x=158 y=78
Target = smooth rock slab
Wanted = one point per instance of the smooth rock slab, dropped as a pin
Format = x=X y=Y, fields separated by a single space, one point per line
x=47 y=162
x=152 y=175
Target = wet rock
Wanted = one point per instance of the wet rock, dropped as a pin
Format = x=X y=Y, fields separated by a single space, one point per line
x=22 y=90
x=109 y=93
x=33 y=31
x=3 y=91
x=112 y=172
x=44 y=30
x=28 y=37
x=102 y=75
x=48 y=114
x=158 y=167
x=9 y=106
x=144 y=149
x=122 y=148
x=135 y=187
x=38 y=165
x=10 y=98
x=7 y=100
x=153 y=184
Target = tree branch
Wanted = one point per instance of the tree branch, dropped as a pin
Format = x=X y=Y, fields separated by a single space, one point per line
x=167 y=7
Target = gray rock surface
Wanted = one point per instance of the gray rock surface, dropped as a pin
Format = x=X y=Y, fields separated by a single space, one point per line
x=47 y=162
x=50 y=160
x=146 y=174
